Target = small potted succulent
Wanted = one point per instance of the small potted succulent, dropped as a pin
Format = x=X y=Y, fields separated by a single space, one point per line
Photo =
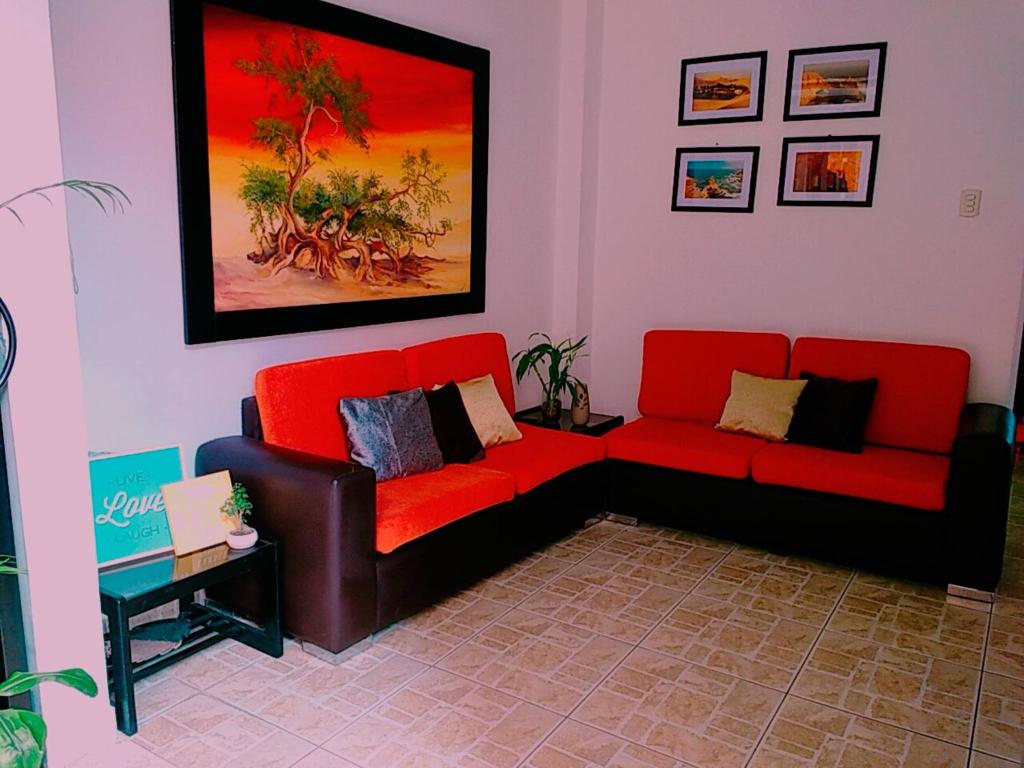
x=237 y=508
x=551 y=362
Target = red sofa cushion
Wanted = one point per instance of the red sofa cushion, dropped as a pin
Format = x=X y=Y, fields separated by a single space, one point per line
x=683 y=445
x=686 y=374
x=410 y=507
x=542 y=454
x=460 y=358
x=298 y=402
x=921 y=388
x=909 y=478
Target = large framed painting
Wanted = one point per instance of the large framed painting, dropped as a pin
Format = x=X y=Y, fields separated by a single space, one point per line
x=332 y=168
x=828 y=170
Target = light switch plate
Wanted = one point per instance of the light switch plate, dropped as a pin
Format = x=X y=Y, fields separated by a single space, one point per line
x=970 y=202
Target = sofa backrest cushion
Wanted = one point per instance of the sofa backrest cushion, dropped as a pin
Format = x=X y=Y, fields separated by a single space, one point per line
x=921 y=388
x=686 y=374
x=460 y=358
x=299 y=401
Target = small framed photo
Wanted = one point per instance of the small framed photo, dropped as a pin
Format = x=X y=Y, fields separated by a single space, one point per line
x=715 y=179
x=722 y=89
x=828 y=170
x=838 y=81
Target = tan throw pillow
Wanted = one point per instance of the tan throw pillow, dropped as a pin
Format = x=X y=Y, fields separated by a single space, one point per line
x=487 y=412
x=760 y=407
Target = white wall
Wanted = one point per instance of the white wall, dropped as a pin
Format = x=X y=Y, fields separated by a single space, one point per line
x=143 y=386
x=906 y=269
x=43 y=412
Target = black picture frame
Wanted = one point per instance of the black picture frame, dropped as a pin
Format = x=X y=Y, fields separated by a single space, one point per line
x=823 y=113
x=203 y=323
x=754 y=153
x=789 y=142
x=758 y=112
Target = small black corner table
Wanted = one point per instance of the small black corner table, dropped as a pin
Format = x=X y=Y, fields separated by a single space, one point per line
x=599 y=423
x=129 y=590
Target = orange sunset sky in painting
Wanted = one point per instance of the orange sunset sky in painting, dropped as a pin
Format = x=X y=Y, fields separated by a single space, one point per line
x=414 y=103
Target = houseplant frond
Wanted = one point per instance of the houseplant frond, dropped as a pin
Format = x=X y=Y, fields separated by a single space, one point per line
x=109 y=197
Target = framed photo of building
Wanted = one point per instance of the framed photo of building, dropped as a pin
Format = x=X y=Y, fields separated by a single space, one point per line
x=722 y=89
x=828 y=170
x=332 y=168
x=833 y=82
x=719 y=179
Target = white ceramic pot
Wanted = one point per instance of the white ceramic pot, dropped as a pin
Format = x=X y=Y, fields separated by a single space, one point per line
x=243 y=540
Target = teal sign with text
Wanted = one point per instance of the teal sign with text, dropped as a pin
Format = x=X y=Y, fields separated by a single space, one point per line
x=128 y=511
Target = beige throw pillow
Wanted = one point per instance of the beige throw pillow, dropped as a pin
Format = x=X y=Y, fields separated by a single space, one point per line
x=487 y=412
x=760 y=407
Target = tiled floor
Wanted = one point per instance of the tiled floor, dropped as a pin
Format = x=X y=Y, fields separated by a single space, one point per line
x=626 y=648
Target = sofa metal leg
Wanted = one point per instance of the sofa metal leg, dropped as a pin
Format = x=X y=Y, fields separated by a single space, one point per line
x=614 y=517
x=969 y=593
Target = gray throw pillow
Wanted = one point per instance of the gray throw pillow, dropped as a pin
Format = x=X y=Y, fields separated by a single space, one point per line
x=392 y=435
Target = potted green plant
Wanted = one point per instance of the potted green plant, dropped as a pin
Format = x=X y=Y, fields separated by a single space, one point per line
x=237 y=508
x=22 y=732
x=551 y=363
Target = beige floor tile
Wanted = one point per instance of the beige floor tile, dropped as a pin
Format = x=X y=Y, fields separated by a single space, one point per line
x=741 y=641
x=277 y=751
x=434 y=632
x=205 y=670
x=441 y=719
x=322 y=759
x=911 y=617
x=981 y=760
x=518 y=581
x=799 y=590
x=537 y=659
x=620 y=607
x=580 y=544
x=1008 y=606
x=123 y=753
x=999 y=729
x=1005 y=654
x=204 y=732
x=892 y=685
x=673 y=562
x=313 y=699
x=154 y=695
x=697 y=715
x=574 y=745
x=809 y=734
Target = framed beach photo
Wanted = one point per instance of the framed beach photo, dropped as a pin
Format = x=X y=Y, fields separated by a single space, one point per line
x=828 y=170
x=715 y=179
x=838 y=81
x=722 y=89
x=332 y=169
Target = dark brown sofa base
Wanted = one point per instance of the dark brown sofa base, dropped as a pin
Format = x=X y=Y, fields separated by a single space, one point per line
x=336 y=588
x=961 y=544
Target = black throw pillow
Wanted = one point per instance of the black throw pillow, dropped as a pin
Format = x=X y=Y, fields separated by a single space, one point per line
x=832 y=413
x=454 y=431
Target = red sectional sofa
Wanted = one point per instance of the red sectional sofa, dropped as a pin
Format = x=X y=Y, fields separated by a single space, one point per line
x=927 y=498
x=357 y=555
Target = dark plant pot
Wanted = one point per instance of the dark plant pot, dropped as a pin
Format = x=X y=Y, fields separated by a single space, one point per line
x=551 y=410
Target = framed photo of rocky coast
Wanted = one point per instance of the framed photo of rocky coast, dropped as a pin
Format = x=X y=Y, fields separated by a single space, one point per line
x=838 y=81
x=828 y=170
x=719 y=179
x=722 y=89
x=332 y=168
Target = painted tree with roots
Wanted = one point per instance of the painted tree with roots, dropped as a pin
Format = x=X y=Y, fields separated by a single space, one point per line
x=334 y=224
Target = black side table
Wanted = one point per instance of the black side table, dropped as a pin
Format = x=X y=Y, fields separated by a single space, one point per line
x=599 y=422
x=132 y=589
